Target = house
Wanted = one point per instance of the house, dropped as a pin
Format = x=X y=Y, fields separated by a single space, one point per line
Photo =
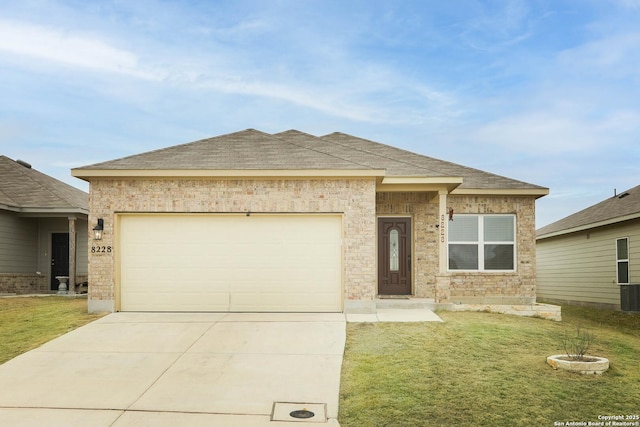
x=43 y=231
x=252 y=221
x=586 y=257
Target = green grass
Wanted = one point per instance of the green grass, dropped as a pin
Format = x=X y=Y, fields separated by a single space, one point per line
x=481 y=369
x=27 y=323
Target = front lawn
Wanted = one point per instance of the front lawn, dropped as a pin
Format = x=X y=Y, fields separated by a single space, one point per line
x=28 y=322
x=481 y=369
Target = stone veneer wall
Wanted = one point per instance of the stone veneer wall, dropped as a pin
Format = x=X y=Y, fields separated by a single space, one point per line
x=425 y=235
x=493 y=288
x=518 y=287
x=24 y=283
x=354 y=198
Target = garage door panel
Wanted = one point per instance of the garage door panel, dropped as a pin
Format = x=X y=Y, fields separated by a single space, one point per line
x=171 y=301
x=288 y=302
x=238 y=263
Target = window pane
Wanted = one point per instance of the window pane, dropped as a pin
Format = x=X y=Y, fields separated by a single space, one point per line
x=463 y=257
x=463 y=228
x=498 y=228
x=394 y=252
x=498 y=257
x=623 y=272
x=622 y=249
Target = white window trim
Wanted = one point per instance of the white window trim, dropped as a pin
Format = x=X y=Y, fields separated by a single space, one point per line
x=480 y=243
x=618 y=261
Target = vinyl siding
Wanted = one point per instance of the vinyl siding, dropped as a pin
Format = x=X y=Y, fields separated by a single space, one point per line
x=581 y=267
x=82 y=247
x=18 y=243
x=47 y=226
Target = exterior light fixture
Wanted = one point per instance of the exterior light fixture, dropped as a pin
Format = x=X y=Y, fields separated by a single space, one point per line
x=98 y=229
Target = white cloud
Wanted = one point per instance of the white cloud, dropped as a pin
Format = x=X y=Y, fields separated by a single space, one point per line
x=618 y=55
x=492 y=30
x=554 y=133
x=67 y=48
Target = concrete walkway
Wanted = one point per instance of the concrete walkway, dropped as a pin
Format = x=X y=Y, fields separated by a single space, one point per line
x=169 y=369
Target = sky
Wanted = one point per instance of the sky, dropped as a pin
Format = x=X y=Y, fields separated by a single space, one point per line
x=543 y=91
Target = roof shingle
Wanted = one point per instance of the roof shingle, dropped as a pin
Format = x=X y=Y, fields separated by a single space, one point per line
x=26 y=188
x=294 y=150
x=618 y=207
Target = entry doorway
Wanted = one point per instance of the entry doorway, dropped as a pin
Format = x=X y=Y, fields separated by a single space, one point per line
x=59 y=257
x=394 y=256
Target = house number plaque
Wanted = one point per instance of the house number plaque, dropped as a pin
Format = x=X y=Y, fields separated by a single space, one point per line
x=442 y=223
x=101 y=249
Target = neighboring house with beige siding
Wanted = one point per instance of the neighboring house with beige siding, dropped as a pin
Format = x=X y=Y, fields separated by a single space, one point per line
x=43 y=230
x=252 y=221
x=588 y=256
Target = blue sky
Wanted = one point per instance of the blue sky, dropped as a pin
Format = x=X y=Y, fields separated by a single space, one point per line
x=545 y=91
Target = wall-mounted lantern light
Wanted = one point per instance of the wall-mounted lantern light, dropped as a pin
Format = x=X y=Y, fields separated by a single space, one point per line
x=98 y=229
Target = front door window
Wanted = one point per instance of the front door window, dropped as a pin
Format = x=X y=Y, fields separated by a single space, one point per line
x=394 y=251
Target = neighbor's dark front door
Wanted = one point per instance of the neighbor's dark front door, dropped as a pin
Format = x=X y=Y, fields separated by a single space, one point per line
x=59 y=257
x=394 y=256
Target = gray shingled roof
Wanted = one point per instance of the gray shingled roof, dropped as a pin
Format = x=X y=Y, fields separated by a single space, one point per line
x=26 y=189
x=625 y=205
x=417 y=164
x=294 y=150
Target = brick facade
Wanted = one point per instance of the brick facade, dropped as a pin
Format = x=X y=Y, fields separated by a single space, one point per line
x=23 y=283
x=353 y=198
x=424 y=214
x=470 y=288
x=518 y=287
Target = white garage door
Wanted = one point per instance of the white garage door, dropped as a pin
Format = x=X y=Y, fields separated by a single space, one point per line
x=192 y=262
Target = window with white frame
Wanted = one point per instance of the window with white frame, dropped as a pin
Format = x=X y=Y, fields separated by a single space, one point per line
x=622 y=260
x=482 y=243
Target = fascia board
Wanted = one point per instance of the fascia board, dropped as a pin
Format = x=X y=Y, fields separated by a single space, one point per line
x=87 y=174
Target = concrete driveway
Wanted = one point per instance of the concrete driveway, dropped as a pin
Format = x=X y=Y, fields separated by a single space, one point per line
x=168 y=369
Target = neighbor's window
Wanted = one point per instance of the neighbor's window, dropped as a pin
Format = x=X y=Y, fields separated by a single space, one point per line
x=622 y=260
x=482 y=242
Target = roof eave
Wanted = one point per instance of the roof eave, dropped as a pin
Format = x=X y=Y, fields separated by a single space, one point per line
x=45 y=211
x=418 y=183
x=536 y=192
x=589 y=226
x=87 y=174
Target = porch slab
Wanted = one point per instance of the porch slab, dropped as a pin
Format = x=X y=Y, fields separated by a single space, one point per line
x=395 y=315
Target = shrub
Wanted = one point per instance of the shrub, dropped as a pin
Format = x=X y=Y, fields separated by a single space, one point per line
x=577 y=346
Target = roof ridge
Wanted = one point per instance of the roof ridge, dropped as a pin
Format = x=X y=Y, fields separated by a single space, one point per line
x=56 y=191
x=318 y=151
x=374 y=154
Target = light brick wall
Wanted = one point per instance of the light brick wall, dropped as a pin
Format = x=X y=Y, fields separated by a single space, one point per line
x=425 y=235
x=466 y=287
x=354 y=198
x=500 y=288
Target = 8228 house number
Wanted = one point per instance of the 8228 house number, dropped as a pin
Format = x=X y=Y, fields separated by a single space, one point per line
x=101 y=249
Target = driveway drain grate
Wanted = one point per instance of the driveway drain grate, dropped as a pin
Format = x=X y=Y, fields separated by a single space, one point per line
x=299 y=412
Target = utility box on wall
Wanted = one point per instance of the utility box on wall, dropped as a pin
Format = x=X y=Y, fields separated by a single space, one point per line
x=630 y=298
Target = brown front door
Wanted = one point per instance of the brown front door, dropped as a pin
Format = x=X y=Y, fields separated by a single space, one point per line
x=394 y=256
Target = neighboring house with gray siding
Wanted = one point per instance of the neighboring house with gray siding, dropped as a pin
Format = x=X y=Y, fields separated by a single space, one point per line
x=251 y=221
x=585 y=257
x=43 y=230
